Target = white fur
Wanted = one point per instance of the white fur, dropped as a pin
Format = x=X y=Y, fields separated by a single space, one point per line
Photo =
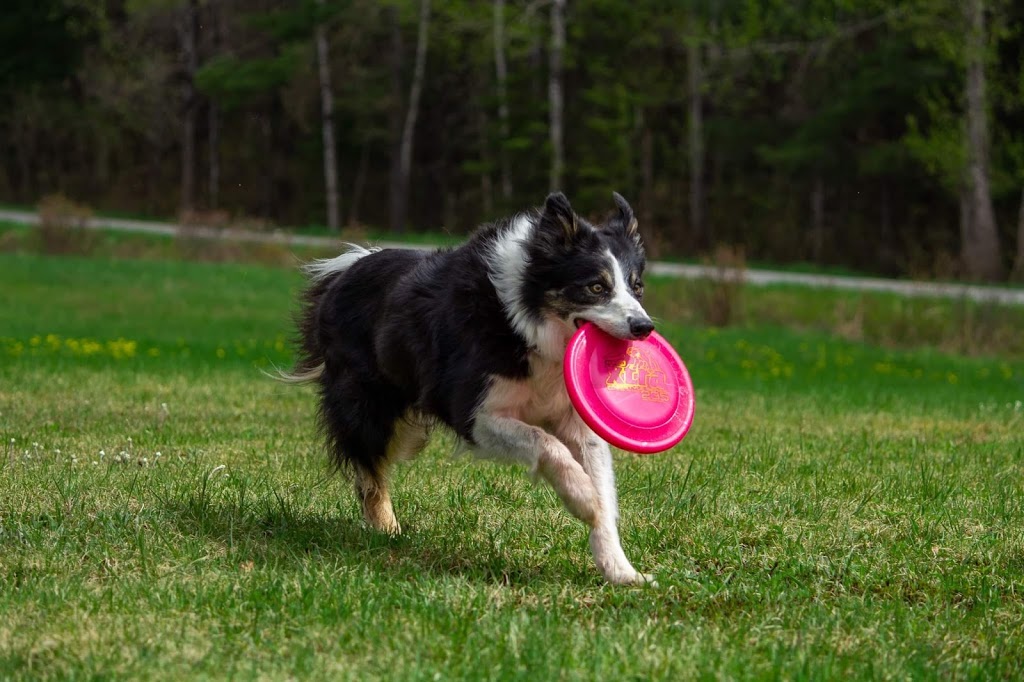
x=614 y=316
x=318 y=270
x=532 y=422
x=297 y=377
x=507 y=264
x=321 y=268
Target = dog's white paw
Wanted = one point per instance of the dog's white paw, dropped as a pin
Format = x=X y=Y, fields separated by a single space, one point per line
x=646 y=579
x=629 y=576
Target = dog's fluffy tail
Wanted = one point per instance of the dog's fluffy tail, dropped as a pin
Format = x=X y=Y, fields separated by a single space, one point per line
x=321 y=272
x=326 y=268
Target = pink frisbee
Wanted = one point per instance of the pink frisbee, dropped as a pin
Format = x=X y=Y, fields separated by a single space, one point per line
x=637 y=395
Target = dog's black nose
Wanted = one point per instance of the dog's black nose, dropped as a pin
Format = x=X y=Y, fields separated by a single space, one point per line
x=640 y=327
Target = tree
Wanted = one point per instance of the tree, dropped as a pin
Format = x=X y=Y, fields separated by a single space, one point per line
x=188 y=31
x=980 y=239
x=213 y=112
x=695 y=126
x=837 y=130
x=327 y=126
x=400 y=181
x=501 y=79
x=555 y=103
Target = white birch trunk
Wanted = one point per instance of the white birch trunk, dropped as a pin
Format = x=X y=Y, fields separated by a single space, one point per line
x=409 y=129
x=555 y=101
x=501 y=75
x=327 y=115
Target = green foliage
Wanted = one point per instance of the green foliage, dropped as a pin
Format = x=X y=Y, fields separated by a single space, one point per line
x=854 y=97
x=232 y=82
x=43 y=42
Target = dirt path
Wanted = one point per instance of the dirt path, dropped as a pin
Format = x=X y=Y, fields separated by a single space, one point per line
x=1004 y=295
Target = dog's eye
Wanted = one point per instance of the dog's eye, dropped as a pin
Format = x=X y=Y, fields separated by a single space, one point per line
x=596 y=288
x=638 y=287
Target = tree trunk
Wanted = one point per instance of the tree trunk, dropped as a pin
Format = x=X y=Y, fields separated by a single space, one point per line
x=1018 y=266
x=501 y=75
x=486 y=185
x=189 y=30
x=401 y=201
x=213 y=123
x=359 y=184
x=980 y=247
x=695 y=97
x=213 y=114
x=818 y=219
x=327 y=114
x=647 y=190
x=555 y=93
x=267 y=133
x=396 y=195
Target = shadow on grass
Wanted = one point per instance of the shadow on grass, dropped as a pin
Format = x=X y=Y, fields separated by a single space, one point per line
x=270 y=532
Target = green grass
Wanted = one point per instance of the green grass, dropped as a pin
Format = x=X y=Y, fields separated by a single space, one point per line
x=838 y=510
x=881 y=319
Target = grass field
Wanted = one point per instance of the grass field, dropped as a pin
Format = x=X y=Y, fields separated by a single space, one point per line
x=838 y=509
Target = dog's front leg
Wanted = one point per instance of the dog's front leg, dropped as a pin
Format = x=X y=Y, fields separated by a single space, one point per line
x=596 y=458
x=515 y=441
x=582 y=477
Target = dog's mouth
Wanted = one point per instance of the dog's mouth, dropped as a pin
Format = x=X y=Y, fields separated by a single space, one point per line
x=579 y=322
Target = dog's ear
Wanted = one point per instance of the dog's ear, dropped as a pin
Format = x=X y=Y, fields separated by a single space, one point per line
x=625 y=217
x=559 y=218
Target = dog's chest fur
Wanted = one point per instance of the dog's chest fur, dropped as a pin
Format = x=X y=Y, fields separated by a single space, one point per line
x=540 y=399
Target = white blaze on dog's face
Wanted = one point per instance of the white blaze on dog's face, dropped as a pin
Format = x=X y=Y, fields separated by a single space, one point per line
x=617 y=308
x=579 y=273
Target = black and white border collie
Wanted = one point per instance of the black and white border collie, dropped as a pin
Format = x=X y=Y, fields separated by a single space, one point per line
x=473 y=339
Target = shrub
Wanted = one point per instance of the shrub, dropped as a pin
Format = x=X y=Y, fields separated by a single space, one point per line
x=63 y=227
x=719 y=296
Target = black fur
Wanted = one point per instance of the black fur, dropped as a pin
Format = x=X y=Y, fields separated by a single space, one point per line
x=401 y=330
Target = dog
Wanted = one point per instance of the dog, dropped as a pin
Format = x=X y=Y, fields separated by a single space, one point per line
x=473 y=338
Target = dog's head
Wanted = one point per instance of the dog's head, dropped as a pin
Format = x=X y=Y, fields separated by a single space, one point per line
x=577 y=272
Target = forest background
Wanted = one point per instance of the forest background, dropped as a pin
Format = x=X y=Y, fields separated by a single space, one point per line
x=881 y=136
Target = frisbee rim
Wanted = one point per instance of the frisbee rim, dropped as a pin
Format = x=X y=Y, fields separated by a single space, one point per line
x=606 y=423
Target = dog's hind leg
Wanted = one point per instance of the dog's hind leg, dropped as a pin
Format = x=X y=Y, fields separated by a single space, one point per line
x=378 y=512
x=363 y=421
x=409 y=436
